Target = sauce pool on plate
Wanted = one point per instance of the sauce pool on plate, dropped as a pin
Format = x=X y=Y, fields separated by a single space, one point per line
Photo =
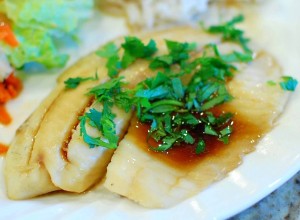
x=184 y=156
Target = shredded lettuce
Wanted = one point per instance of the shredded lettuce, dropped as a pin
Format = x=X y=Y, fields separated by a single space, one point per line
x=37 y=26
x=34 y=46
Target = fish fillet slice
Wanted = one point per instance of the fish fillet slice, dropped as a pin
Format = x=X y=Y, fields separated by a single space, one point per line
x=25 y=173
x=153 y=183
x=85 y=166
x=48 y=154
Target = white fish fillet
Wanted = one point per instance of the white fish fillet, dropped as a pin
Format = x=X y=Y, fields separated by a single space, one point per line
x=25 y=172
x=48 y=153
x=145 y=179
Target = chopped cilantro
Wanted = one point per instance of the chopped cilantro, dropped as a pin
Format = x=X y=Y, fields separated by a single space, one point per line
x=96 y=141
x=134 y=48
x=271 y=83
x=230 y=33
x=178 y=53
x=108 y=50
x=200 y=147
x=177 y=112
x=72 y=83
x=234 y=56
x=288 y=83
x=113 y=64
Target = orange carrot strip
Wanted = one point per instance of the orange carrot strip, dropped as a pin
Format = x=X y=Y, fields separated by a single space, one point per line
x=9 y=89
x=5 y=118
x=3 y=148
x=7 y=35
x=14 y=85
x=4 y=94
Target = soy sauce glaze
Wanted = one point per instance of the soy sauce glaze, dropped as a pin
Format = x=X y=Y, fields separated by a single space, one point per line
x=184 y=155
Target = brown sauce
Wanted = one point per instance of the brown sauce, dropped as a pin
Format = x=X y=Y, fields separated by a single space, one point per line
x=184 y=156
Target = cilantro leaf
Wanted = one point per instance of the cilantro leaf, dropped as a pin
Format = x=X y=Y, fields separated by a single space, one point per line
x=72 y=83
x=200 y=147
x=230 y=33
x=151 y=94
x=178 y=88
x=93 y=141
x=164 y=61
x=178 y=52
x=237 y=57
x=108 y=50
x=209 y=130
x=271 y=83
x=113 y=64
x=105 y=91
x=134 y=48
x=288 y=83
x=167 y=143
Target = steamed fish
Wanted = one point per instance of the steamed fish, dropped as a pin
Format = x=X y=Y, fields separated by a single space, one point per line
x=48 y=153
x=25 y=170
x=163 y=179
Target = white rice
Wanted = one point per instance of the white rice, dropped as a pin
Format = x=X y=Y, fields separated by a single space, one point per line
x=155 y=13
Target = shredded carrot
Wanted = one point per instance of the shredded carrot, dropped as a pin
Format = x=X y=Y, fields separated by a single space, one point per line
x=11 y=86
x=6 y=33
x=5 y=118
x=9 y=89
x=14 y=85
x=3 y=148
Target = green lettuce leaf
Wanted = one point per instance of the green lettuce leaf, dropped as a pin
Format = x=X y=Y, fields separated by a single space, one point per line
x=37 y=26
x=35 y=46
x=48 y=15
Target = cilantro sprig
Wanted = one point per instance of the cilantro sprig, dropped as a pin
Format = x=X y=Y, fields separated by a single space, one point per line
x=72 y=83
x=113 y=64
x=109 y=94
x=178 y=53
x=230 y=32
x=133 y=48
x=287 y=83
x=103 y=121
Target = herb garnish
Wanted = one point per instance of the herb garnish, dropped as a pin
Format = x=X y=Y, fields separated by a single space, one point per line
x=72 y=83
x=230 y=33
x=133 y=49
x=178 y=53
x=113 y=64
x=173 y=110
x=288 y=83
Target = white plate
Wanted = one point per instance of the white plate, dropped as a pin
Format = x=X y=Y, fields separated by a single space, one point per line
x=276 y=27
